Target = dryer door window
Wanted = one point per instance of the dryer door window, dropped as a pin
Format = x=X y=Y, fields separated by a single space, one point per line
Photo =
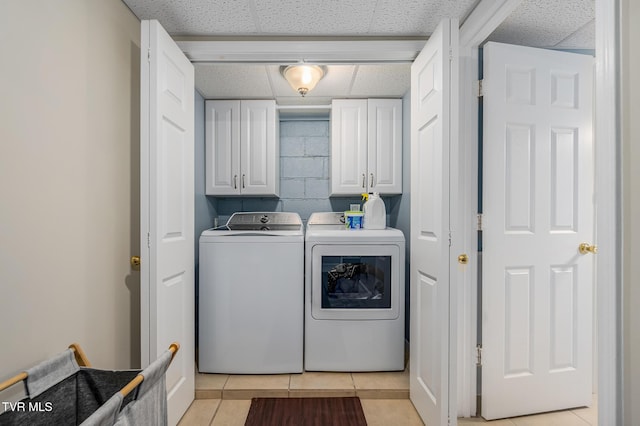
x=355 y=281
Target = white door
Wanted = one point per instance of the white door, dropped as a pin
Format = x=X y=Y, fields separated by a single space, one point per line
x=384 y=146
x=259 y=148
x=433 y=119
x=222 y=147
x=538 y=206
x=166 y=193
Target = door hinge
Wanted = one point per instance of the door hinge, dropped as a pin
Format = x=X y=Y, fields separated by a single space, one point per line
x=148 y=55
x=478 y=355
x=450 y=54
x=148 y=240
x=479 y=88
x=479 y=221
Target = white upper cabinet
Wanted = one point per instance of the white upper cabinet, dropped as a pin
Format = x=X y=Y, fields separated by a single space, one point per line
x=242 y=156
x=384 y=158
x=348 y=146
x=366 y=146
x=222 y=147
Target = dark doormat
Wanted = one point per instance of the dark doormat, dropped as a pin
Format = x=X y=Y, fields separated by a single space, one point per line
x=306 y=412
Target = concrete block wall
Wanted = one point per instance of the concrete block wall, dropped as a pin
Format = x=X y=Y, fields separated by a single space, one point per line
x=304 y=175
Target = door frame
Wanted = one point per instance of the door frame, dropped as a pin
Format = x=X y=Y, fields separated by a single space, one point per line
x=484 y=19
x=478 y=26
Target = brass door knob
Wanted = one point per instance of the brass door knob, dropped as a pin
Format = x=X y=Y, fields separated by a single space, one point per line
x=585 y=248
x=135 y=262
x=463 y=259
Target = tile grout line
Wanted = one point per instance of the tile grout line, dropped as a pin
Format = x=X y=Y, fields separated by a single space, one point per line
x=216 y=410
x=224 y=385
x=586 y=422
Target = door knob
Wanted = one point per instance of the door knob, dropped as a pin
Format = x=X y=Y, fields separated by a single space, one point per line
x=463 y=259
x=585 y=248
x=135 y=262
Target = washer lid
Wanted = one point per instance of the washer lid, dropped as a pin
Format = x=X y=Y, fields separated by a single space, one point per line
x=258 y=224
x=257 y=227
x=263 y=221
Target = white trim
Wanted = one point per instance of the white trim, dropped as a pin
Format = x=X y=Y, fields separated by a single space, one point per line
x=608 y=267
x=296 y=107
x=314 y=51
x=484 y=19
x=145 y=265
x=456 y=218
x=467 y=297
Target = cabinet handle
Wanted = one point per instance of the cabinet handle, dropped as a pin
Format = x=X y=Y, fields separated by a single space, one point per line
x=364 y=180
x=235 y=181
x=243 y=181
x=371 y=185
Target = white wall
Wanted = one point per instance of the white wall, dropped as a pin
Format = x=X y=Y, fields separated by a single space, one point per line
x=631 y=209
x=69 y=165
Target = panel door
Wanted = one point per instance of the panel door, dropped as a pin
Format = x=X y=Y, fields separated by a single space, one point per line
x=538 y=208
x=259 y=153
x=348 y=146
x=384 y=148
x=167 y=191
x=432 y=122
x=222 y=147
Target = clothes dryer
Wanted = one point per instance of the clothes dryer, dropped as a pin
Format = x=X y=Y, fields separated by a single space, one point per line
x=354 y=296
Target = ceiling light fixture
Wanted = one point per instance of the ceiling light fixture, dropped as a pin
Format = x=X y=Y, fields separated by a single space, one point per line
x=303 y=77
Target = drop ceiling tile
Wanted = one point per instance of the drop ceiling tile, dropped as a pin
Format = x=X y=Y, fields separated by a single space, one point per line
x=415 y=17
x=279 y=84
x=564 y=24
x=382 y=80
x=224 y=81
x=335 y=83
x=584 y=38
x=198 y=17
x=314 y=17
x=544 y=23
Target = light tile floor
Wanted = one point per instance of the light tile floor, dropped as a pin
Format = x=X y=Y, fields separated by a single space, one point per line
x=224 y=400
x=233 y=412
x=382 y=385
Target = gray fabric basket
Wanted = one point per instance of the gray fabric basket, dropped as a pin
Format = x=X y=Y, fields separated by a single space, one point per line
x=61 y=393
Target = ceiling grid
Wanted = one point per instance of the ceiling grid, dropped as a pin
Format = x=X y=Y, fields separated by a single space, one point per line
x=566 y=24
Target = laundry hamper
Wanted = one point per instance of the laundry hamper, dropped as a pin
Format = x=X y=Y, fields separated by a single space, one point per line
x=65 y=390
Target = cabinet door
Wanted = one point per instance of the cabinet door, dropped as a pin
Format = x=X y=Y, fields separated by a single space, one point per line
x=260 y=157
x=348 y=146
x=222 y=147
x=385 y=146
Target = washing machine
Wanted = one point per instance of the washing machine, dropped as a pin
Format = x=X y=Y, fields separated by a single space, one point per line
x=354 y=296
x=252 y=294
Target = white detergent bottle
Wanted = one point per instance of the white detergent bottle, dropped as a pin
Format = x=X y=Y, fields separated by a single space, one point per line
x=375 y=213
